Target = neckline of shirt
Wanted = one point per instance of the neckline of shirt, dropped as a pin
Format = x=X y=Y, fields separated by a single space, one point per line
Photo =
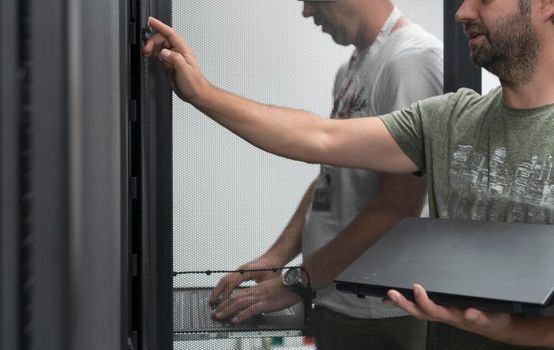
x=522 y=112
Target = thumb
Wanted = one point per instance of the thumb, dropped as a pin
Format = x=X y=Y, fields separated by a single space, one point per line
x=172 y=58
x=474 y=316
x=482 y=319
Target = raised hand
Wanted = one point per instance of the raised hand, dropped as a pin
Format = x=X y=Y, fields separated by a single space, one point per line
x=178 y=60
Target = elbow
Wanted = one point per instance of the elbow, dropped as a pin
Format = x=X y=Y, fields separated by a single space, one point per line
x=308 y=143
x=308 y=151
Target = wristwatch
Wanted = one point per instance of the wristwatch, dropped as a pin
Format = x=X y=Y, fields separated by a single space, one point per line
x=292 y=280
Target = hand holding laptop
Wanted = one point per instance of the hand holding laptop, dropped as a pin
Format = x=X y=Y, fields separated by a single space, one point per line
x=504 y=268
x=497 y=326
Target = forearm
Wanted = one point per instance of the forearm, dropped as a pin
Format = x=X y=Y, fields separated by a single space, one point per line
x=400 y=196
x=278 y=130
x=289 y=243
x=356 y=142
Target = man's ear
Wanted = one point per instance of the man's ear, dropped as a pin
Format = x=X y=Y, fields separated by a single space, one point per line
x=547 y=9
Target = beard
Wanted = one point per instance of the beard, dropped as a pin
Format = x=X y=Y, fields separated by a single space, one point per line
x=510 y=49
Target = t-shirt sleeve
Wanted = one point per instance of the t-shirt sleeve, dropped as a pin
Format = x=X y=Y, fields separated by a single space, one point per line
x=412 y=127
x=405 y=126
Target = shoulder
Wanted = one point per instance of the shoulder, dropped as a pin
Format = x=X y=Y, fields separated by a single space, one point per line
x=413 y=38
x=413 y=42
x=452 y=100
x=464 y=104
x=411 y=48
x=467 y=98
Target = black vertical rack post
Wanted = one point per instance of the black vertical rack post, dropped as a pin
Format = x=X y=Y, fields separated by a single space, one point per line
x=458 y=70
x=149 y=187
x=134 y=174
x=158 y=189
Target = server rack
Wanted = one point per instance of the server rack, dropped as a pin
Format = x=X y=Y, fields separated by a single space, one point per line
x=74 y=273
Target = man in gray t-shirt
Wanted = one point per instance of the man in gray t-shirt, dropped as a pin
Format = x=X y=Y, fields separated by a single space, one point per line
x=484 y=161
x=486 y=158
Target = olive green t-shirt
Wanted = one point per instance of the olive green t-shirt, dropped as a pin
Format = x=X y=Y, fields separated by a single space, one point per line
x=483 y=161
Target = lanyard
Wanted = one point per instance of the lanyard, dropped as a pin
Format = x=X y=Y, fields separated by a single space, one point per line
x=391 y=20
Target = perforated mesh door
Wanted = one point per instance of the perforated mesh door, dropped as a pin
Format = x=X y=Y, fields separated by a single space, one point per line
x=231 y=200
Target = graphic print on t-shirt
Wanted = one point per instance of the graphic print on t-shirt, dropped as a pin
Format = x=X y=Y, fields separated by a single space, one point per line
x=485 y=185
x=352 y=95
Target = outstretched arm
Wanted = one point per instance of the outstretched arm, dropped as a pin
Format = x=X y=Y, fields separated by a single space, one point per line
x=299 y=135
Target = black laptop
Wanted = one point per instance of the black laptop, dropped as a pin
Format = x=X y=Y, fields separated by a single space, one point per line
x=192 y=319
x=492 y=266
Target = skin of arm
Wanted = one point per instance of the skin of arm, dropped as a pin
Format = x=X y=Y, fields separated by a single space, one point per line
x=358 y=142
x=284 y=249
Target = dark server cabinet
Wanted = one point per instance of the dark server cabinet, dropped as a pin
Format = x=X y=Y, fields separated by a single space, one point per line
x=85 y=237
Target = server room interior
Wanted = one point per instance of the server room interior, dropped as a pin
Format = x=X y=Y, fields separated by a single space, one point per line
x=89 y=239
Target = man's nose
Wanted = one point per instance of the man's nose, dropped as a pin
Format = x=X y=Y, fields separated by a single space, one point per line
x=466 y=12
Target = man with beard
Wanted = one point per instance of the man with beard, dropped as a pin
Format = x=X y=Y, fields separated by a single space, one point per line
x=345 y=210
x=503 y=139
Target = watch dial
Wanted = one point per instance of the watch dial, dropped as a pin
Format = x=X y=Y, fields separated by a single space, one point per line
x=291 y=277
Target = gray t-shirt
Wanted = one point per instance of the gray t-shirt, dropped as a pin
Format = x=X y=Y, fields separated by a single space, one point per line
x=483 y=161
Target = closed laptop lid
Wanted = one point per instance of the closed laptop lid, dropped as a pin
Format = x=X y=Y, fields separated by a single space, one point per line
x=493 y=265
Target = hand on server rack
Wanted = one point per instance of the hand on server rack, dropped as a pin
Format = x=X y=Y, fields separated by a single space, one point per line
x=178 y=61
